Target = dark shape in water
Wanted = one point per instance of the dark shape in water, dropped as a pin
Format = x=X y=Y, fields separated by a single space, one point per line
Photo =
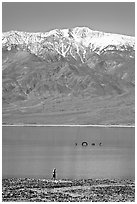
x=84 y=144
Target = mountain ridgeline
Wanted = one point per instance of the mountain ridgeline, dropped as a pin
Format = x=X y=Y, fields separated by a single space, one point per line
x=76 y=62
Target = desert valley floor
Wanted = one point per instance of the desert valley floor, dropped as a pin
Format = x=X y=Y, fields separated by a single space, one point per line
x=109 y=110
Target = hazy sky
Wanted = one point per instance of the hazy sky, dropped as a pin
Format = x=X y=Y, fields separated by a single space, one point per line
x=115 y=17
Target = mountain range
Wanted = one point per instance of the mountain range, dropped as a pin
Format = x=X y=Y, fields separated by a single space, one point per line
x=68 y=76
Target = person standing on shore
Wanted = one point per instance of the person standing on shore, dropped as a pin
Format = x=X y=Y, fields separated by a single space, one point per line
x=54 y=174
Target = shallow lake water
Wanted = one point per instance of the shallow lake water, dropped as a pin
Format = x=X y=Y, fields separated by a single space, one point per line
x=35 y=151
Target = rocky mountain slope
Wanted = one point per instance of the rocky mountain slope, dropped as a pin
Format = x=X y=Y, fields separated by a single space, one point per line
x=74 y=63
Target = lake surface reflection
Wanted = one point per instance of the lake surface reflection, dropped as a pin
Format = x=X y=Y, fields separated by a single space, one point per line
x=35 y=151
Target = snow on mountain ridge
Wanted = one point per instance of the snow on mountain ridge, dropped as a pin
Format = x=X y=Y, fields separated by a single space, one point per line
x=78 y=36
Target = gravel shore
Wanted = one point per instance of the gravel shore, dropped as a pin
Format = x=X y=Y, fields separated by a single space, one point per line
x=44 y=190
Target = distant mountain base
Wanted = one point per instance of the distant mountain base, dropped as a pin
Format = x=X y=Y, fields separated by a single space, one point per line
x=70 y=110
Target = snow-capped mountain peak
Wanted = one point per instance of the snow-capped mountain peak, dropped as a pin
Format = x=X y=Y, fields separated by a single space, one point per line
x=62 y=39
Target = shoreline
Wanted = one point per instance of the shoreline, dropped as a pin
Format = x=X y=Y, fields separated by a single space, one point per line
x=50 y=125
